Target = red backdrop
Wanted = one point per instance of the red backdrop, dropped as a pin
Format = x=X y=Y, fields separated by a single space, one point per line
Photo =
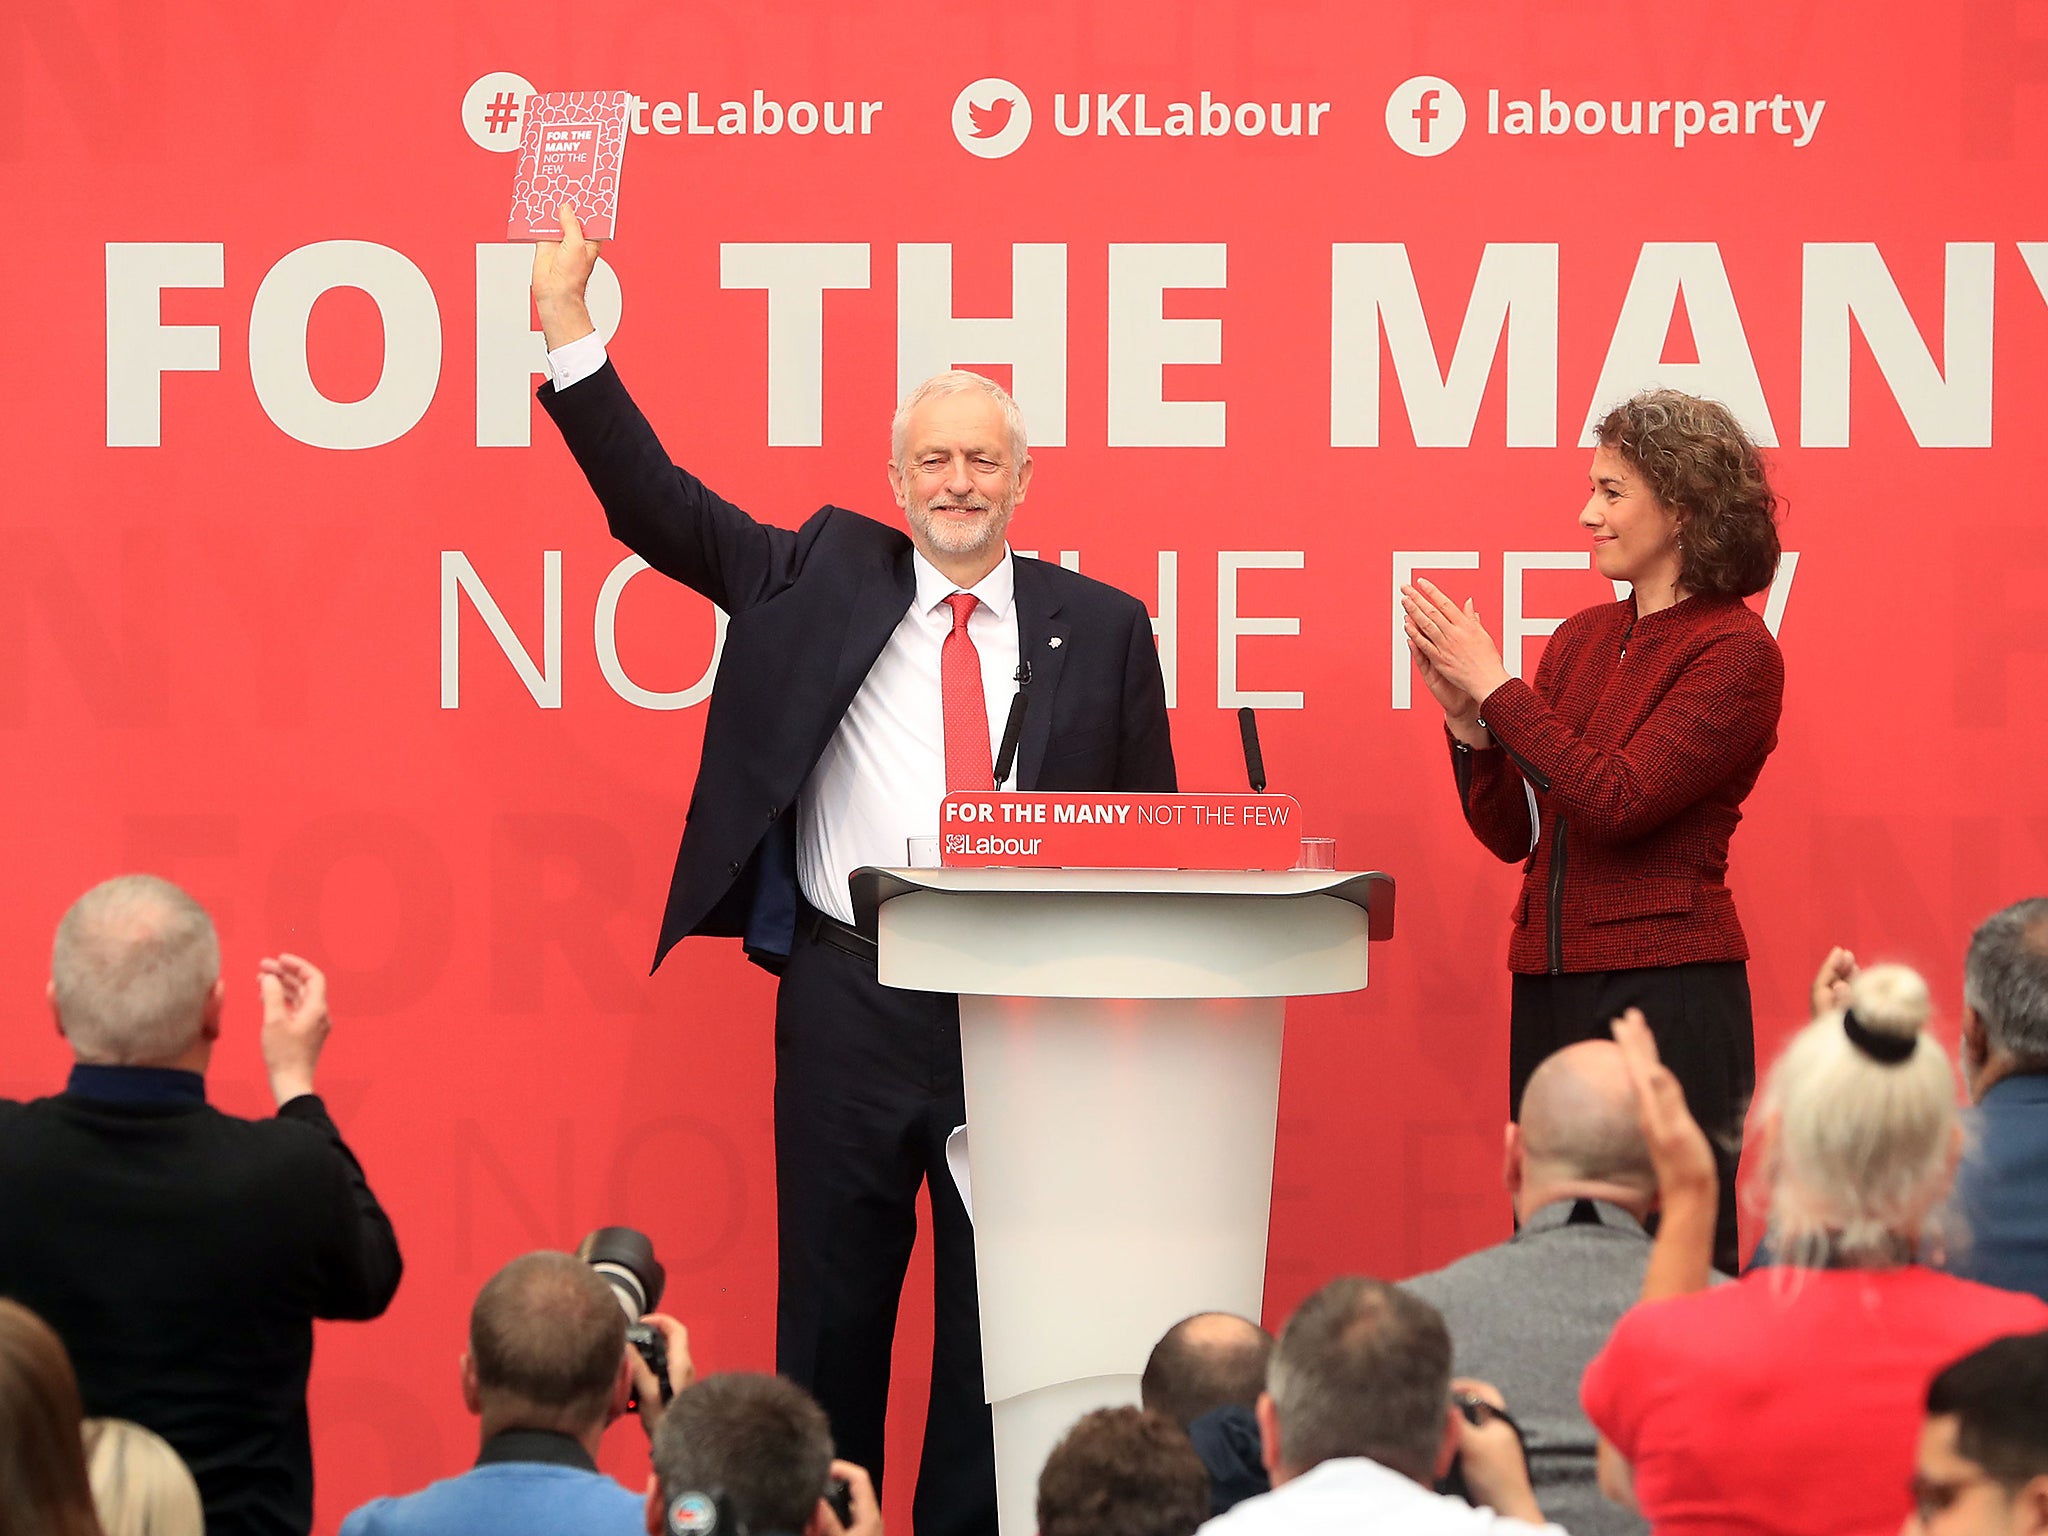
x=271 y=460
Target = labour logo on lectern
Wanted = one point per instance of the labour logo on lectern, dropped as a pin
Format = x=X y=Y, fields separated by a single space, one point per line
x=1425 y=115
x=991 y=118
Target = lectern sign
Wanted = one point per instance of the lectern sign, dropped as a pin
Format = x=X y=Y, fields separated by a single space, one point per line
x=982 y=829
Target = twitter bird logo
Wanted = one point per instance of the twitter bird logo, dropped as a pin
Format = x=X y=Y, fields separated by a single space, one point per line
x=991 y=118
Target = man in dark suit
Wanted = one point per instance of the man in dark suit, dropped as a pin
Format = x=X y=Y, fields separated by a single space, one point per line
x=867 y=670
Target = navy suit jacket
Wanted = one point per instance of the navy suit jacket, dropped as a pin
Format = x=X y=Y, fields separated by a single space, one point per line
x=2002 y=1189
x=810 y=609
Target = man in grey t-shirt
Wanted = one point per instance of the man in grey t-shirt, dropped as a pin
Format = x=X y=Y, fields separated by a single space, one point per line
x=1530 y=1313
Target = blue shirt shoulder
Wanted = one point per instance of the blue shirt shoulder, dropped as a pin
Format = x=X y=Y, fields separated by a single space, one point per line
x=508 y=1498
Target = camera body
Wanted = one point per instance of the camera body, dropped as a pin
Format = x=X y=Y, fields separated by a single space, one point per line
x=1477 y=1411
x=839 y=1498
x=648 y=1342
x=625 y=1257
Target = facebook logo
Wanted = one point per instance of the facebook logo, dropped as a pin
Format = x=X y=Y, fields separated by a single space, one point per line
x=1425 y=115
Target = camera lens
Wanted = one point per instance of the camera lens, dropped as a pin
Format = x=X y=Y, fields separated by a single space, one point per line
x=625 y=1258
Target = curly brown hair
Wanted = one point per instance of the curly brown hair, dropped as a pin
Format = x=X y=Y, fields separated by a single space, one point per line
x=1123 y=1472
x=1701 y=464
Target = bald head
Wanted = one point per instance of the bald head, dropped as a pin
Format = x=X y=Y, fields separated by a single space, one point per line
x=1203 y=1363
x=133 y=972
x=1578 y=1132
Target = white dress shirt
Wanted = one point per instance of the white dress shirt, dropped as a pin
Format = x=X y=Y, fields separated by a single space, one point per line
x=883 y=774
x=574 y=361
x=1350 y=1495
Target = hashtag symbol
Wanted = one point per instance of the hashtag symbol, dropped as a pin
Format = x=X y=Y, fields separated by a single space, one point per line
x=500 y=111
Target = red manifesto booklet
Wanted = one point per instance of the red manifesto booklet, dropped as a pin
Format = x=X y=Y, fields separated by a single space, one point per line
x=571 y=144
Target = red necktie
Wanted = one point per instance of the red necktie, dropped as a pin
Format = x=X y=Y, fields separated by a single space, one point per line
x=968 y=765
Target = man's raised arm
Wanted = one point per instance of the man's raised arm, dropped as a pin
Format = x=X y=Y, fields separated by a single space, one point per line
x=561 y=274
x=660 y=511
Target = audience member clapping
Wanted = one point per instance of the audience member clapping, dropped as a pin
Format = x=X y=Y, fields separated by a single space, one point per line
x=1123 y=1472
x=1206 y=1374
x=1982 y=1469
x=180 y=1253
x=546 y=1371
x=140 y=1485
x=753 y=1454
x=43 y=1486
x=1357 y=1422
x=1529 y=1314
x=1789 y=1400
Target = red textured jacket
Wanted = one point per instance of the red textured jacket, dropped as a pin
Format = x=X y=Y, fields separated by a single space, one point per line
x=1619 y=777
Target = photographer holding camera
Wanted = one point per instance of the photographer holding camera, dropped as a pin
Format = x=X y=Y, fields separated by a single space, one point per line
x=1360 y=1417
x=741 y=1454
x=547 y=1370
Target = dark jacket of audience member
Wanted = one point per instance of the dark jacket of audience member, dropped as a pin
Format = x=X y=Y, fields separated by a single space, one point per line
x=181 y=1253
x=1123 y=1472
x=1530 y=1313
x=1227 y=1440
x=545 y=1373
x=2002 y=1186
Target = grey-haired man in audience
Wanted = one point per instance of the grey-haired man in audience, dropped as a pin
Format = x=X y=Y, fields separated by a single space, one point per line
x=182 y=1254
x=1358 y=1422
x=2002 y=1186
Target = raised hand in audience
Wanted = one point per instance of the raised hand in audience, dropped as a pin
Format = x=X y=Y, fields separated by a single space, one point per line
x=295 y=1023
x=1688 y=1195
x=1831 y=985
x=1688 y=1188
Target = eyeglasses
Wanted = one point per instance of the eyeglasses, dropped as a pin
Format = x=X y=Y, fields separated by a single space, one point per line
x=1933 y=1496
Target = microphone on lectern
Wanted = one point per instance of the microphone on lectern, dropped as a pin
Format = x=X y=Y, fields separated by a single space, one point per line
x=1013 y=730
x=1254 y=760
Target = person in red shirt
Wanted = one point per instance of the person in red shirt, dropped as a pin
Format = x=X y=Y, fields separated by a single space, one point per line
x=1617 y=776
x=1790 y=1400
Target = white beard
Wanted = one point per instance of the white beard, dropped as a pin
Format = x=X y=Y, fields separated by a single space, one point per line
x=961 y=538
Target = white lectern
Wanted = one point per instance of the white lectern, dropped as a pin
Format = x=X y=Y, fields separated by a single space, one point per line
x=1120 y=1034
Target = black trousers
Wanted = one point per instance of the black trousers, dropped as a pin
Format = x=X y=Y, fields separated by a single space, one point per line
x=1701 y=1017
x=867 y=1088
